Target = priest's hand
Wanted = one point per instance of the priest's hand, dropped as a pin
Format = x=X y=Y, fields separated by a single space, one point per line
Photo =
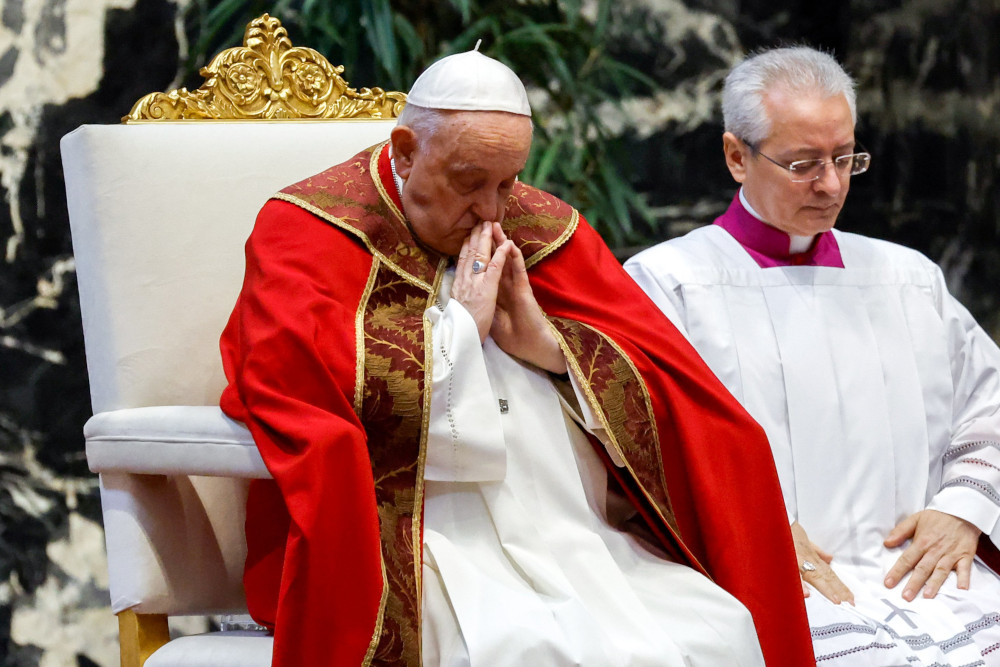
x=519 y=325
x=477 y=291
x=820 y=575
x=939 y=544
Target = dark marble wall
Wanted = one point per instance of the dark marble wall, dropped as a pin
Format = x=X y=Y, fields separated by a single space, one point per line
x=929 y=94
x=55 y=75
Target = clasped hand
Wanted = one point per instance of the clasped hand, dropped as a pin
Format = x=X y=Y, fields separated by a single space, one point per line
x=500 y=299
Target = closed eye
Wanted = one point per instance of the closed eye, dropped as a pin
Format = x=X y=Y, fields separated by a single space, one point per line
x=466 y=187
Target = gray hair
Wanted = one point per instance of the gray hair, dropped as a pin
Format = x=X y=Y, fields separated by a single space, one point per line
x=800 y=69
x=426 y=122
x=423 y=121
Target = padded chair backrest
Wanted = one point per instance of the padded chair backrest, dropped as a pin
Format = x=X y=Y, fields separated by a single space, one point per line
x=160 y=213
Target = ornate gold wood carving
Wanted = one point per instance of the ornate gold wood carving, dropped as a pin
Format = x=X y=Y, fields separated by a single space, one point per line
x=269 y=79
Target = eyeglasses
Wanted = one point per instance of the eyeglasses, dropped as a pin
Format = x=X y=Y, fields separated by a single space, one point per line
x=804 y=171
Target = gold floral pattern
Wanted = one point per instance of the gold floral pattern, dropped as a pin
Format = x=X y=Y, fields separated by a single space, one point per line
x=392 y=412
x=345 y=196
x=621 y=399
x=268 y=78
x=537 y=222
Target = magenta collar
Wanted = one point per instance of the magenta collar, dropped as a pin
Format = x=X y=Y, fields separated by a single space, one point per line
x=769 y=246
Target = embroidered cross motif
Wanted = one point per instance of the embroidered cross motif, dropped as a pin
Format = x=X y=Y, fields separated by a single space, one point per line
x=504 y=409
x=901 y=612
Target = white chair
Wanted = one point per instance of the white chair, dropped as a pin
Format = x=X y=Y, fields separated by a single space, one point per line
x=159 y=214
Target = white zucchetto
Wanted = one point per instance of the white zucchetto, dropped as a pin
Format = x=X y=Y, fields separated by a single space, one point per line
x=470 y=81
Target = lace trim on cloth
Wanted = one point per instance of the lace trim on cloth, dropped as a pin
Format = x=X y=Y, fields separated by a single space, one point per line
x=917 y=642
x=955 y=451
x=976 y=484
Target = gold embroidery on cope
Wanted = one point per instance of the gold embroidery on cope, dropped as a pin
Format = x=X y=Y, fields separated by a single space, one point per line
x=383 y=194
x=359 y=333
x=341 y=196
x=537 y=222
x=393 y=414
x=380 y=620
x=392 y=398
x=358 y=406
x=620 y=398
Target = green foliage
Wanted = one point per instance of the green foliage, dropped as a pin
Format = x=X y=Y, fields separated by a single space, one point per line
x=558 y=48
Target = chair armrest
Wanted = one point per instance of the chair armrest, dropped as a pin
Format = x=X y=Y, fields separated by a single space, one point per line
x=172 y=440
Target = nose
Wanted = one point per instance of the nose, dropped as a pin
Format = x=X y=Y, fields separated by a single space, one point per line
x=488 y=206
x=830 y=181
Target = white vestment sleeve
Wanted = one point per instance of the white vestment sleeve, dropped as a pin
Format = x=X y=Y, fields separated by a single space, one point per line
x=970 y=485
x=465 y=441
x=664 y=290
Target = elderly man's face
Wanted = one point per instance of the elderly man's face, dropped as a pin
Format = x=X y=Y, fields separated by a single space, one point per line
x=463 y=174
x=802 y=127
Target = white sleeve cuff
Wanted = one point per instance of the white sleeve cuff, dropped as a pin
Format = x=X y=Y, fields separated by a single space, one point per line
x=971 y=505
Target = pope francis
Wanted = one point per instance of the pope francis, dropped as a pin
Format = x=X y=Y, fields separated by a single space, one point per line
x=488 y=447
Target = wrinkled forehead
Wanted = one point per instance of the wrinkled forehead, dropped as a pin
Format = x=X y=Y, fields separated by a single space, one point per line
x=483 y=132
x=487 y=120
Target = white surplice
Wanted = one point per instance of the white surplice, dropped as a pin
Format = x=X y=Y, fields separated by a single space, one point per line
x=880 y=396
x=522 y=565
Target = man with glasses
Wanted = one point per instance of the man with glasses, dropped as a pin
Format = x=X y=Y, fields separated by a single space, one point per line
x=879 y=393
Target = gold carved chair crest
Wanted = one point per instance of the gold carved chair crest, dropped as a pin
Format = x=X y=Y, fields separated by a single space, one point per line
x=269 y=79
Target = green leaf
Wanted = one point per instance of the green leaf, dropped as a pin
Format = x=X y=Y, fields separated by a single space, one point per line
x=408 y=35
x=603 y=19
x=377 y=16
x=464 y=7
x=549 y=154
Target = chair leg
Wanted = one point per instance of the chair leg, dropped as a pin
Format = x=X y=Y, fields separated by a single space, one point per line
x=139 y=635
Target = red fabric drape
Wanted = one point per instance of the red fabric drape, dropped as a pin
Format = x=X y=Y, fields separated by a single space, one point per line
x=314 y=567
x=720 y=474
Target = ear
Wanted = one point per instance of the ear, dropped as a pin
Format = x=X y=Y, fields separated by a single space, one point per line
x=404 y=148
x=737 y=155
